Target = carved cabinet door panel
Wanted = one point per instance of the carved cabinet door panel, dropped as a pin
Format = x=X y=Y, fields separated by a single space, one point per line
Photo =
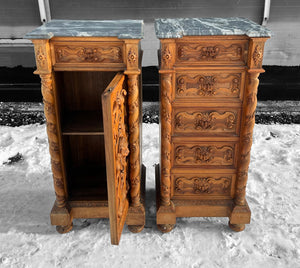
x=114 y=104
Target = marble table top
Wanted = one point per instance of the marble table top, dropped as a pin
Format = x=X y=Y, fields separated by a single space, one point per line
x=177 y=28
x=123 y=29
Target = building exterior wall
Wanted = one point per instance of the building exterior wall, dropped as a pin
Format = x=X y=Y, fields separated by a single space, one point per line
x=18 y=17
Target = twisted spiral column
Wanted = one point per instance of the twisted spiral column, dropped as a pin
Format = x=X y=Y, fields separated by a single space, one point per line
x=166 y=126
x=52 y=131
x=248 y=122
x=134 y=139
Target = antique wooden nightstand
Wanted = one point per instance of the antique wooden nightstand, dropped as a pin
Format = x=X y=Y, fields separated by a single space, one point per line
x=209 y=72
x=90 y=74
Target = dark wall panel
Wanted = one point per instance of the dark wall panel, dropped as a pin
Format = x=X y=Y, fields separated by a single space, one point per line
x=17 y=17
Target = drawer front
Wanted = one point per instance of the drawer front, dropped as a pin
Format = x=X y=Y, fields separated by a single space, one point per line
x=203 y=185
x=232 y=52
x=187 y=153
x=87 y=53
x=207 y=122
x=213 y=84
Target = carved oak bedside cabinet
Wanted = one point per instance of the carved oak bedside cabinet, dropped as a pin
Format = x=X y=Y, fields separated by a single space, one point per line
x=208 y=82
x=90 y=74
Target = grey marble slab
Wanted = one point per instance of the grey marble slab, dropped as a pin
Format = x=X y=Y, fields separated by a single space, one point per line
x=123 y=29
x=177 y=28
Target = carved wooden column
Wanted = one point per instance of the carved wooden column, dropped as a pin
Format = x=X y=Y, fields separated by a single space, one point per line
x=134 y=139
x=166 y=128
x=166 y=208
x=60 y=214
x=241 y=212
x=135 y=223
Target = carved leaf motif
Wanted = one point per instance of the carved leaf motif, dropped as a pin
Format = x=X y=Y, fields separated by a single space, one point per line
x=209 y=85
x=257 y=55
x=204 y=155
x=41 y=57
x=166 y=55
x=196 y=52
x=121 y=148
x=209 y=52
x=203 y=185
x=132 y=56
x=201 y=121
x=88 y=54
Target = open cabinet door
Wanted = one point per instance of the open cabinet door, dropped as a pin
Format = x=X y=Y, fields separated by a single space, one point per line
x=114 y=101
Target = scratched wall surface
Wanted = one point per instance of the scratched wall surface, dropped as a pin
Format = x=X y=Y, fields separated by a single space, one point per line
x=18 y=17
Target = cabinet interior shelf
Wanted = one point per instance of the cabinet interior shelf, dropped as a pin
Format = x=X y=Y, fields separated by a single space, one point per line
x=82 y=123
x=88 y=183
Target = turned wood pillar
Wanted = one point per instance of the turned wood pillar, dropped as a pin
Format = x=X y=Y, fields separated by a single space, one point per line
x=166 y=127
x=134 y=138
x=166 y=76
x=255 y=57
x=44 y=69
x=134 y=119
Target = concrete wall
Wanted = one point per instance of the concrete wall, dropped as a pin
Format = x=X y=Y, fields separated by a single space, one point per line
x=18 y=17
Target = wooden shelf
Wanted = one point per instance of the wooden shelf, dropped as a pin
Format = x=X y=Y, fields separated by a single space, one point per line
x=82 y=123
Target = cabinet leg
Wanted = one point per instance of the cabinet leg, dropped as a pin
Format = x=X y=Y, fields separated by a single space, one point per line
x=165 y=228
x=135 y=228
x=236 y=227
x=64 y=229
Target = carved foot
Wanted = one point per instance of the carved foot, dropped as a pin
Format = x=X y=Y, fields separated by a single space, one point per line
x=135 y=228
x=64 y=229
x=165 y=228
x=236 y=227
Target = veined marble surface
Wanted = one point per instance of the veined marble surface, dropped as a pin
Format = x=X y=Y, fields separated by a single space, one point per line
x=177 y=28
x=123 y=29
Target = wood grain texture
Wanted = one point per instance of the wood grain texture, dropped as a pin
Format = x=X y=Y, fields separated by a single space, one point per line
x=193 y=121
x=209 y=84
x=44 y=69
x=232 y=52
x=202 y=185
x=166 y=128
x=248 y=118
x=90 y=152
x=190 y=153
x=116 y=152
x=134 y=139
x=213 y=83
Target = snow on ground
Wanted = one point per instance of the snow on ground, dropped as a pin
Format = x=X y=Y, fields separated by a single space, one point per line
x=271 y=240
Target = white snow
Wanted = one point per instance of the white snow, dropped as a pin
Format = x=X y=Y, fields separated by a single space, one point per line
x=271 y=240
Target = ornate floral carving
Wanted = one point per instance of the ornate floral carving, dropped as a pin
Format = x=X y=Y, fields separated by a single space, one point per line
x=203 y=185
x=209 y=85
x=41 y=58
x=230 y=121
x=248 y=122
x=257 y=55
x=51 y=117
x=120 y=149
x=134 y=140
x=166 y=108
x=132 y=57
x=88 y=54
x=166 y=55
x=205 y=121
x=196 y=52
x=235 y=88
x=204 y=155
x=209 y=52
